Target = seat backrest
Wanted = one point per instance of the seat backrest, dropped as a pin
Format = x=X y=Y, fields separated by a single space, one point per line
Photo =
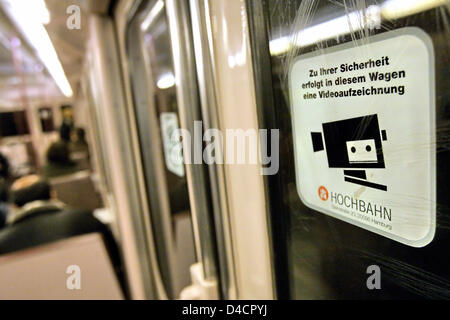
x=52 y=271
x=77 y=190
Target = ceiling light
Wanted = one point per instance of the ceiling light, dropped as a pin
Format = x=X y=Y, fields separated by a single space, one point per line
x=279 y=46
x=166 y=81
x=154 y=12
x=31 y=26
x=352 y=22
x=334 y=28
x=40 y=10
x=395 y=9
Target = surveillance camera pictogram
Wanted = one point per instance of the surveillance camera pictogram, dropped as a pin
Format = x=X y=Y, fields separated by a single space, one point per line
x=355 y=145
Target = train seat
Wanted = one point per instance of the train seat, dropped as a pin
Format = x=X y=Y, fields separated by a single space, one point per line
x=77 y=190
x=77 y=268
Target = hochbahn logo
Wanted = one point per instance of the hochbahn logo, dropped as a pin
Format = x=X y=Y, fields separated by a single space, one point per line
x=359 y=205
x=323 y=193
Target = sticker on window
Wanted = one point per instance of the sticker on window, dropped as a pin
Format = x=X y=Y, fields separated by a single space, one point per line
x=173 y=149
x=364 y=133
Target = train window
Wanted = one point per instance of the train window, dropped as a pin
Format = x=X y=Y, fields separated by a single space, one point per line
x=156 y=47
x=320 y=253
x=13 y=124
x=157 y=115
x=46 y=117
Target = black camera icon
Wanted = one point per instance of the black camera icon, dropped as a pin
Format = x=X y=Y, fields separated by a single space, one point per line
x=353 y=144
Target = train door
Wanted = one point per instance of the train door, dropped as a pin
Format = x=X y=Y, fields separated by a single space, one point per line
x=161 y=72
x=120 y=167
x=359 y=91
x=225 y=77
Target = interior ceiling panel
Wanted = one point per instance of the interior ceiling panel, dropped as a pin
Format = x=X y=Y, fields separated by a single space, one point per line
x=96 y=6
x=70 y=44
x=70 y=47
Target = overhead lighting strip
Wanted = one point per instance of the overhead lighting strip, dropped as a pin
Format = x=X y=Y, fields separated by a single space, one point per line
x=352 y=22
x=30 y=23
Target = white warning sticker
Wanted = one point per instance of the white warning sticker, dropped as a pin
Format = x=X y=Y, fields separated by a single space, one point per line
x=364 y=133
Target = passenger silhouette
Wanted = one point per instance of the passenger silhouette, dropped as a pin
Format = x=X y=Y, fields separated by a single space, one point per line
x=58 y=161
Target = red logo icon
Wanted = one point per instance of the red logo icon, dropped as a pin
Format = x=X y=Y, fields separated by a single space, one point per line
x=323 y=193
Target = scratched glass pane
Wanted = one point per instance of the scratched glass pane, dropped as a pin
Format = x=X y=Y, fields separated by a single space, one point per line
x=328 y=258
